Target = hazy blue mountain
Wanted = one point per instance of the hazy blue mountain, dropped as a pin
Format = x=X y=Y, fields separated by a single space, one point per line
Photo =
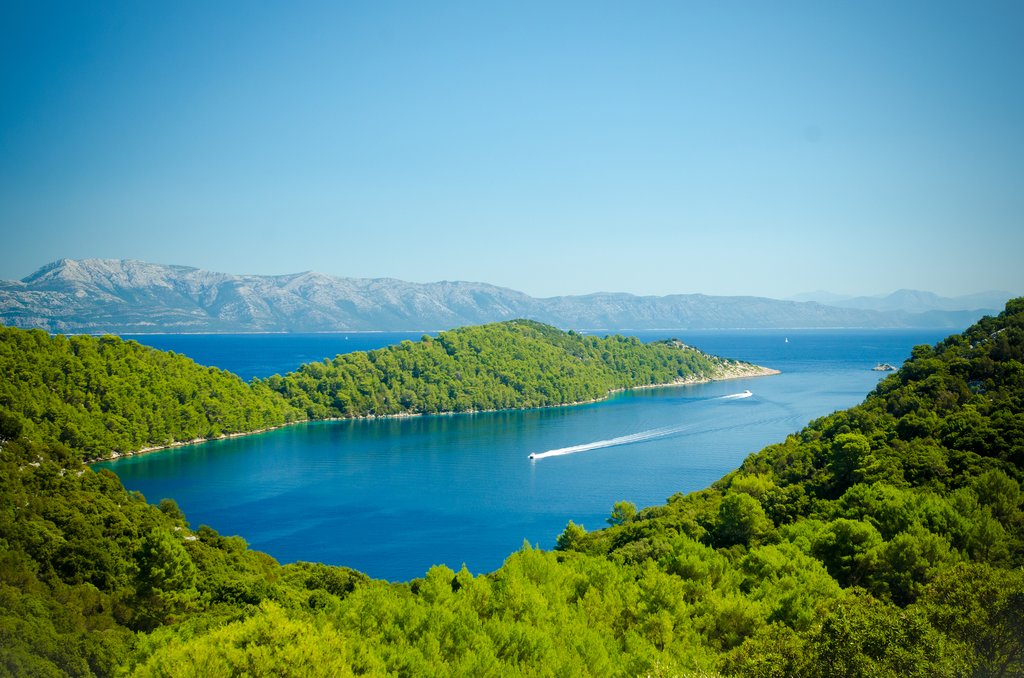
x=918 y=301
x=126 y=296
x=914 y=301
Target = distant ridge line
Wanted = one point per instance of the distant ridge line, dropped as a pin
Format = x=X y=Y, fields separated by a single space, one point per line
x=125 y=296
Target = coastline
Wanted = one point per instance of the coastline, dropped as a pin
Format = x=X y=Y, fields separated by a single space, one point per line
x=739 y=371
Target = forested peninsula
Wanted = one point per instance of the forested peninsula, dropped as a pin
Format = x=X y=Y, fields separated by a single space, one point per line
x=102 y=396
x=883 y=540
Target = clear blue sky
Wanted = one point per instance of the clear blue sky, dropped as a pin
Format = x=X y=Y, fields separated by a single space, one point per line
x=763 y=148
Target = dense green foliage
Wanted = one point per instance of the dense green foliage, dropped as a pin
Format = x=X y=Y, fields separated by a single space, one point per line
x=102 y=394
x=506 y=365
x=884 y=540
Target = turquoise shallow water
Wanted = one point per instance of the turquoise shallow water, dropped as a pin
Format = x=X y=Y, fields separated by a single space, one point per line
x=393 y=497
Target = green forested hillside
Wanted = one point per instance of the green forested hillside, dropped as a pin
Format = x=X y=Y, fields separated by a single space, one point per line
x=101 y=394
x=884 y=540
x=514 y=364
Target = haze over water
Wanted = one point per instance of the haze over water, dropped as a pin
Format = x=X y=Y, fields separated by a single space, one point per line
x=392 y=497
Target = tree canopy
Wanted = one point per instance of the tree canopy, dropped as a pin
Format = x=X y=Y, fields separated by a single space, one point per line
x=509 y=365
x=883 y=540
x=97 y=395
x=100 y=396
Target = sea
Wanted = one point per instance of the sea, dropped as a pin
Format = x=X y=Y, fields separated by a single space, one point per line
x=392 y=497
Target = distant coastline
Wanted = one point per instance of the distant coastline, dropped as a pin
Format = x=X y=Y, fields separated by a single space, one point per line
x=739 y=371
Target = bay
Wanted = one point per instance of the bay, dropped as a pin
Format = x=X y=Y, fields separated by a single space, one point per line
x=261 y=355
x=391 y=497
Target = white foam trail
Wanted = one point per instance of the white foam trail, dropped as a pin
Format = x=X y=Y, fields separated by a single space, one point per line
x=612 y=442
x=736 y=396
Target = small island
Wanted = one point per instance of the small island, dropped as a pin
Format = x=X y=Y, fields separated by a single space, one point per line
x=108 y=398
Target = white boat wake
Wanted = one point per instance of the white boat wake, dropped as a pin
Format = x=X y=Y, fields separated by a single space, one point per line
x=612 y=442
x=736 y=396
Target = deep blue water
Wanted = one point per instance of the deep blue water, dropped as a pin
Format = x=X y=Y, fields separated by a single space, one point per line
x=393 y=497
x=261 y=355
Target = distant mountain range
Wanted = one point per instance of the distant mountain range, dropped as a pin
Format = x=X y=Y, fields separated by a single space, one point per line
x=127 y=296
x=912 y=301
